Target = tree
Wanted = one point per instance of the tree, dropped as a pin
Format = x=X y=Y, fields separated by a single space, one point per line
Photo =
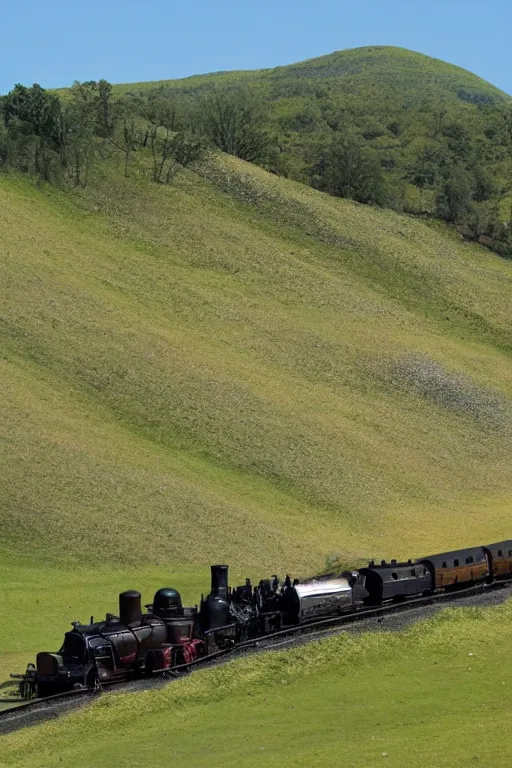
x=130 y=112
x=428 y=159
x=182 y=150
x=171 y=146
x=161 y=116
x=107 y=115
x=235 y=121
x=346 y=168
x=454 y=198
x=80 y=117
x=4 y=140
x=32 y=118
x=458 y=139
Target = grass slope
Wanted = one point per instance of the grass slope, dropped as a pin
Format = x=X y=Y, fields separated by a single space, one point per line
x=435 y=694
x=236 y=368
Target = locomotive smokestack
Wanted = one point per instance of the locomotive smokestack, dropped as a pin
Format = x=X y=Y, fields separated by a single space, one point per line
x=130 y=611
x=220 y=580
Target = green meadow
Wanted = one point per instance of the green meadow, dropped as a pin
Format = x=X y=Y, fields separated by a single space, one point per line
x=435 y=694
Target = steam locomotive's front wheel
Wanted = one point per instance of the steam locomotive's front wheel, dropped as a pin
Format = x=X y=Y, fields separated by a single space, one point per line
x=92 y=681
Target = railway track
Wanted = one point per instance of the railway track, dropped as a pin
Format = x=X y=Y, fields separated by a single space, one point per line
x=24 y=713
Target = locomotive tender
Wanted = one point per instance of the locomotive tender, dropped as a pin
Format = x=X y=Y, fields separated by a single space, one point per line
x=169 y=634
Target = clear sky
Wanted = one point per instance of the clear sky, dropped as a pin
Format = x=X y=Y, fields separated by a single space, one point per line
x=58 y=41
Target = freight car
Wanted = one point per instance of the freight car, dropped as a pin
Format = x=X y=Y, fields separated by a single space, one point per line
x=169 y=634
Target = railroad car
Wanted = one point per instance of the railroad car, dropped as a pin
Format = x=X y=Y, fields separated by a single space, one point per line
x=314 y=600
x=462 y=567
x=395 y=581
x=500 y=559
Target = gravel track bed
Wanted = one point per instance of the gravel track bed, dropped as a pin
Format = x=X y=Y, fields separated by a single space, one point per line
x=394 y=622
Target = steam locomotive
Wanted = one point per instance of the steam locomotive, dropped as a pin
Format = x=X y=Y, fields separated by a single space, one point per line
x=168 y=634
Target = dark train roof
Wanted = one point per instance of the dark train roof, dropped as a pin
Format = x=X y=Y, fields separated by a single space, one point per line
x=98 y=628
x=388 y=567
x=378 y=565
x=503 y=545
x=456 y=554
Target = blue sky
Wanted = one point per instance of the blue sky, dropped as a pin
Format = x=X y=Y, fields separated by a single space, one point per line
x=56 y=42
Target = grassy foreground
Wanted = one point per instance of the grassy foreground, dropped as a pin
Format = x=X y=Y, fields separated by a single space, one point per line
x=435 y=695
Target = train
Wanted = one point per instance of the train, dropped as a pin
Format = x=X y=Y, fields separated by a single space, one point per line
x=168 y=635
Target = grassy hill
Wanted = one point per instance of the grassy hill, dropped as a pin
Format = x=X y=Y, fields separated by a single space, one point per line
x=237 y=368
x=375 y=66
x=423 y=121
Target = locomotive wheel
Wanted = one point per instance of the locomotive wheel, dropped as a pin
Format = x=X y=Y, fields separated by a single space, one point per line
x=92 y=681
x=44 y=690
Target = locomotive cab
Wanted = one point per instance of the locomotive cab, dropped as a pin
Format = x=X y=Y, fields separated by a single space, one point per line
x=58 y=672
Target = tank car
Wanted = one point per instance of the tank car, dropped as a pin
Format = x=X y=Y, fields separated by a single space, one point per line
x=395 y=581
x=459 y=568
x=500 y=560
x=312 y=600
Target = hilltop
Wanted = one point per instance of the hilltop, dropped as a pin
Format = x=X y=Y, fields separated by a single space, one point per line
x=400 y=69
x=432 y=139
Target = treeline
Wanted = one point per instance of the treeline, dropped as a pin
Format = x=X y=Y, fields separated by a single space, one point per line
x=423 y=160
x=427 y=162
x=59 y=139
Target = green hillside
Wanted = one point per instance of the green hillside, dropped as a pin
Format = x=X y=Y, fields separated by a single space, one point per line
x=248 y=369
x=422 y=135
x=235 y=368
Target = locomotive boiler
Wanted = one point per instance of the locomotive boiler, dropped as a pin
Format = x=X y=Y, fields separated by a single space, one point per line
x=323 y=598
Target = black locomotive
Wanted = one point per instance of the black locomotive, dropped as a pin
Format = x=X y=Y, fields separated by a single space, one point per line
x=169 y=634
x=122 y=647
